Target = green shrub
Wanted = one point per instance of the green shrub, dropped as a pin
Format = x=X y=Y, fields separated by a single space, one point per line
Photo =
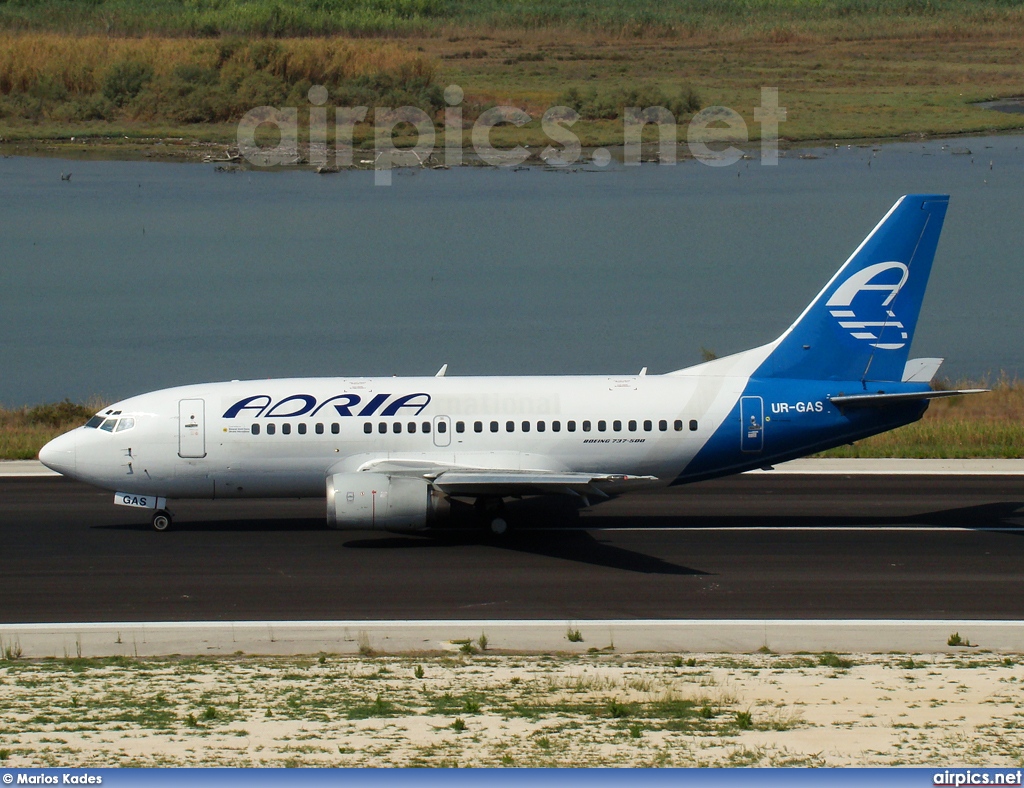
x=830 y=660
x=125 y=79
x=59 y=414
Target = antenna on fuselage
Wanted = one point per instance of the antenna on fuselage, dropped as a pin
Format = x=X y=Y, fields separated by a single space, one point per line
x=441 y=371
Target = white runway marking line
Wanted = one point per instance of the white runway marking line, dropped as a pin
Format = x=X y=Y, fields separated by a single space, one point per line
x=561 y=623
x=725 y=528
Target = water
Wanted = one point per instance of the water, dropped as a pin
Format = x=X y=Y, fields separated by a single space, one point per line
x=133 y=275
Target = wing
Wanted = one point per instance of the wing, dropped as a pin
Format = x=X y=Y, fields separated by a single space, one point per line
x=473 y=482
x=478 y=482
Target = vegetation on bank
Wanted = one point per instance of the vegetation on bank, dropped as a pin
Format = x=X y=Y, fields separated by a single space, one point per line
x=285 y=18
x=24 y=431
x=978 y=426
x=45 y=76
x=190 y=68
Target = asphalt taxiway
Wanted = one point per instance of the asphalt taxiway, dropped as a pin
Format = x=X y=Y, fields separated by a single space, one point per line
x=759 y=546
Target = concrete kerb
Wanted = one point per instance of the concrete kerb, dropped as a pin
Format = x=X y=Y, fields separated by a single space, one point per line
x=284 y=638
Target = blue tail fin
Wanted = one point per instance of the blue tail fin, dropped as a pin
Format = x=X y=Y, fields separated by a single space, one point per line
x=861 y=324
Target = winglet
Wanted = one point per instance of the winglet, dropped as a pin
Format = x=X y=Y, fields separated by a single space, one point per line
x=441 y=372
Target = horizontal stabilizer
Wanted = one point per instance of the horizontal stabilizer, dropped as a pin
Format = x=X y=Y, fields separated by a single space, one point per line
x=881 y=400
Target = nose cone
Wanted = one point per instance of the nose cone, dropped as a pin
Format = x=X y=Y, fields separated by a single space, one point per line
x=59 y=454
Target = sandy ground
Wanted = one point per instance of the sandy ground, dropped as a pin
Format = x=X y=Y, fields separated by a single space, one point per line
x=489 y=709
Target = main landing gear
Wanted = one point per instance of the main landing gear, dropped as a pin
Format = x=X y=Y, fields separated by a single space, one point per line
x=162 y=520
x=490 y=511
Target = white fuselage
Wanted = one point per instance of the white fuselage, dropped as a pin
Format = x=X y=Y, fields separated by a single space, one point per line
x=284 y=437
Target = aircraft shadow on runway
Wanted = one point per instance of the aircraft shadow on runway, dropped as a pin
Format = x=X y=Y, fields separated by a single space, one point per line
x=1002 y=515
x=565 y=534
x=535 y=520
x=577 y=545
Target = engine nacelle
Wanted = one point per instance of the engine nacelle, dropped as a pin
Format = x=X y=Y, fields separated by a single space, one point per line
x=360 y=501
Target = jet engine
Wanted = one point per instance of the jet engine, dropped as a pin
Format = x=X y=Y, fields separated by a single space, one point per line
x=360 y=501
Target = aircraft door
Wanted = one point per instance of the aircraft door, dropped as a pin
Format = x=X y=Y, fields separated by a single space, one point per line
x=191 y=428
x=442 y=431
x=751 y=424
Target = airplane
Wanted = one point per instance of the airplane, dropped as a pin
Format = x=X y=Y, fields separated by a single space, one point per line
x=396 y=453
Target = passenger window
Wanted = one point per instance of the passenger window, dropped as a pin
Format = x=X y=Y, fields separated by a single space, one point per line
x=286 y=429
x=302 y=428
x=412 y=426
x=442 y=426
x=586 y=426
x=94 y=422
x=632 y=426
x=426 y=427
x=335 y=428
x=255 y=429
x=693 y=425
x=647 y=425
x=617 y=425
x=320 y=429
x=663 y=425
x=396 y=427
x=108 y=425
x=540 y=426
x=556 y=426
x=494 y=426
x=382 y=428
x=526 y=426
x=478 y=426
x=367 y=428
x=460 y=426
x=125 y=424
x=602 y=425
x=271 y=429
x=510 y=426
x=571 y=426
x=678 y=424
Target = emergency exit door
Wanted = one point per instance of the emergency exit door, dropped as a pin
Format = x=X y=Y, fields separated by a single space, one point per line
x=191 y=428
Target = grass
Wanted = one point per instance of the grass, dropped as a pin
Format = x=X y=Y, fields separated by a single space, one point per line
x=76 y=79
x=685 y=18
x=978 y=426
x=830 y=660
x=155 y=711
x=844 y=68
x=24 y=431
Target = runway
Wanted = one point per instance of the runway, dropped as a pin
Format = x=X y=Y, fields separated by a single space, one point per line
x=755 y=546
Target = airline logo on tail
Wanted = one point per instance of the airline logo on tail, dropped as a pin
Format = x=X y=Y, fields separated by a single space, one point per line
x=869 y=317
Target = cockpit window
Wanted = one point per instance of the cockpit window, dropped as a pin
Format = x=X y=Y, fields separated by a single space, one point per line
x=108 y=425
x=94 y=422
x=125 y=424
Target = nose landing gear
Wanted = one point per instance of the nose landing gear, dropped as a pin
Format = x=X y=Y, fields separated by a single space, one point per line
x=162 y=520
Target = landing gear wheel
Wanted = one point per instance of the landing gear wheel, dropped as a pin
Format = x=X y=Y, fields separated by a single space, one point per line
x=499 y=526
x=161 y=520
